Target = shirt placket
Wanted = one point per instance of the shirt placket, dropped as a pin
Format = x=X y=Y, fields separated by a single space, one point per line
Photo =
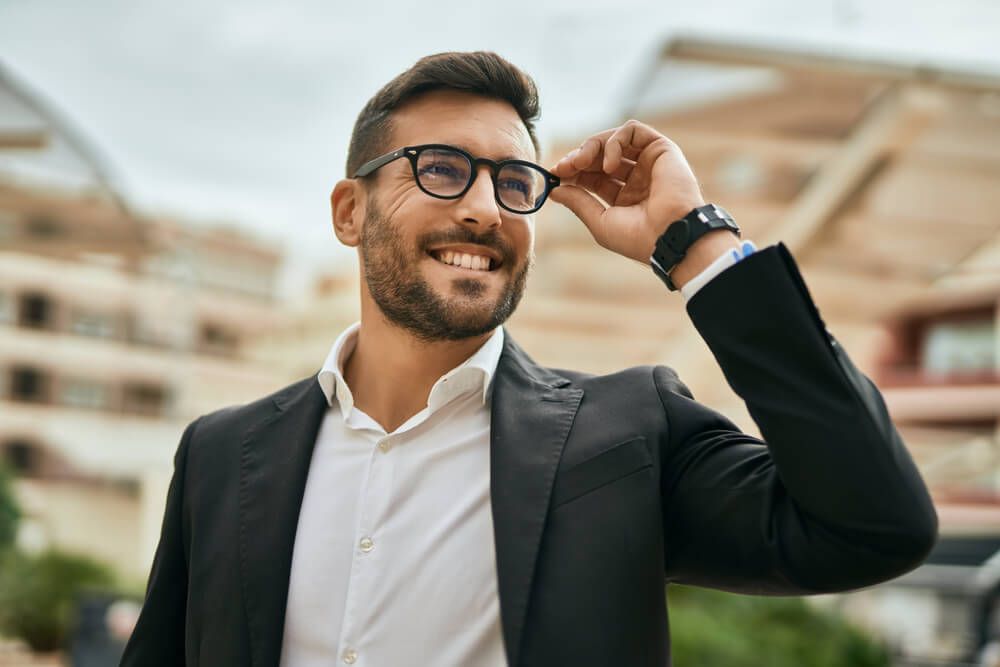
x=374 y=494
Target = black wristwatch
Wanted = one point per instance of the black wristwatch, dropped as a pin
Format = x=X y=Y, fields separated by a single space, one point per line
x=680 y=235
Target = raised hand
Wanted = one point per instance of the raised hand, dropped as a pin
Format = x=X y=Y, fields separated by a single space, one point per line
x=627 y=184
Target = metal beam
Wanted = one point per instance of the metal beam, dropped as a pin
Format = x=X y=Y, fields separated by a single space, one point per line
x=811 y=61
x=893 y=120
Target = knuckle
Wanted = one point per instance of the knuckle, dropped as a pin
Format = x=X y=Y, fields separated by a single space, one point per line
x=664 y=142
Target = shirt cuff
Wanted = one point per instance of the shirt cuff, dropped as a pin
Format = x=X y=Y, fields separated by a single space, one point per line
x=723 y=262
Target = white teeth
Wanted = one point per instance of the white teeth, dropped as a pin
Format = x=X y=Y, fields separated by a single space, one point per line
x=474 y=262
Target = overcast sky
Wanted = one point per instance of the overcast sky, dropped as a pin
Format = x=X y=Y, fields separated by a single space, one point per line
x=241 y=111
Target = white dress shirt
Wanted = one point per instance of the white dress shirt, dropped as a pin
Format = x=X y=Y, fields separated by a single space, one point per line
x=394 y=561
x=721 y=263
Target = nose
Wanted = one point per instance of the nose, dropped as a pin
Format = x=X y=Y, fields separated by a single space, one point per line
x=479 y=205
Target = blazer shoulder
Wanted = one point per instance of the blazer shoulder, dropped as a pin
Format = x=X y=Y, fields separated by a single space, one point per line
x=238 y=418
x=661 y=378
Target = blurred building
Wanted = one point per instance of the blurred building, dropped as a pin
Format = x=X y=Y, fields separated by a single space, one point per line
x=940 y=375
x=116 y=329
x=298 y=347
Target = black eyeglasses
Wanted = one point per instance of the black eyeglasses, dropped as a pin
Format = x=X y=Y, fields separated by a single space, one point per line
x=447 y=172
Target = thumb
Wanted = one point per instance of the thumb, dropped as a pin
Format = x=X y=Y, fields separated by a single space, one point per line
x=583 y=204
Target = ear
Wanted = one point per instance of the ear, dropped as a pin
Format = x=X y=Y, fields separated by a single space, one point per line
x=347 y=207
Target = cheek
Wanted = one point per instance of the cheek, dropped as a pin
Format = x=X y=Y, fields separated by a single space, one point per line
x=523 y=239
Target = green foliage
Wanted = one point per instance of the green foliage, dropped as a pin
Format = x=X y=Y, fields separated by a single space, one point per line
x=10 y=513
x=38 y=594
x=711 y=628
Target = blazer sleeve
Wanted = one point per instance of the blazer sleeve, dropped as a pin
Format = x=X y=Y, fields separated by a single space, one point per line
x=829 y=500
x=158 y=636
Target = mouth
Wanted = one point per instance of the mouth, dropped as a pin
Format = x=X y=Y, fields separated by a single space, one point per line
x=467 y=259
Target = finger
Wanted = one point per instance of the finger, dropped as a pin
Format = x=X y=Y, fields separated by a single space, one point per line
x=563 y=168
x=638 y=180
x=629 y=140
x=583 y=204
x=589 y=153
x=582 y=157
x=622 y=173
x=600 y=184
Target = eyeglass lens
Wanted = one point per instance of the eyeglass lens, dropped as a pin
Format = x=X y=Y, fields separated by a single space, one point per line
x=447 y=173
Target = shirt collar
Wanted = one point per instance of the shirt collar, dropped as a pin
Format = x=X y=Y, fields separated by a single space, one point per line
x=476 y=372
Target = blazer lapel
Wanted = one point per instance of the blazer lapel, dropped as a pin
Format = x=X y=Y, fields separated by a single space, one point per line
x=274 y=463
x=533 y=410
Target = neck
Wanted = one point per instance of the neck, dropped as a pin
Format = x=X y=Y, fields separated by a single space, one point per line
x=391 y=372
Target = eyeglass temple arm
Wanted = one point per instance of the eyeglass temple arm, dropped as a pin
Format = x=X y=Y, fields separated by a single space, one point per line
x=372 y=165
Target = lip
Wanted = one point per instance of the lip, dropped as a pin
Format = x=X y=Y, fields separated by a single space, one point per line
x=471 y=249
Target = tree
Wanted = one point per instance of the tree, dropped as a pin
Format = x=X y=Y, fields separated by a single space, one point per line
x=710 y=628
x=38 y=594
x=10 y=512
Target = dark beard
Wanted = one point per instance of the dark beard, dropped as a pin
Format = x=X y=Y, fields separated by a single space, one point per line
x=408 y=301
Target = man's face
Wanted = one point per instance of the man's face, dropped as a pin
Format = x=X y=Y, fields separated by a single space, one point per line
x=409 y=236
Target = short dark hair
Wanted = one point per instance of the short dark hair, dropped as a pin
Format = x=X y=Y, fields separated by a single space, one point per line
x=477 y=72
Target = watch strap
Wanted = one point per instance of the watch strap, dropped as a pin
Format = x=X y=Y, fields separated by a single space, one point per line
x=674 y=243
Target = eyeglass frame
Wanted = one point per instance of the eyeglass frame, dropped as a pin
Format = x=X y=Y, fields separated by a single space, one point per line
x=412 y=153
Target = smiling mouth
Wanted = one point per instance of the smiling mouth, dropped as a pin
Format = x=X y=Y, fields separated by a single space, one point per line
x=463 y=260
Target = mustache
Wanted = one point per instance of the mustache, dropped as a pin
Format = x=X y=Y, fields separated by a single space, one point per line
x=463 y=235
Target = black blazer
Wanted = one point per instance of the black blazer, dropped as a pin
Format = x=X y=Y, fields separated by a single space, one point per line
x=603 y=489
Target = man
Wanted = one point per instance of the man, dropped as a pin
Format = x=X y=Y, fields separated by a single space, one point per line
x=435 y=497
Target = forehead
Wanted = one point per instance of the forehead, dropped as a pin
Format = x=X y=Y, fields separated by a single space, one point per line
x=483 y=126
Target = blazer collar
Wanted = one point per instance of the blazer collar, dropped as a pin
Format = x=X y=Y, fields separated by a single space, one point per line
x=532 y=412
x=274 y=463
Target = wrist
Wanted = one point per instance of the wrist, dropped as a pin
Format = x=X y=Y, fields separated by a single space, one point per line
x=702 y=253
x=693 y=241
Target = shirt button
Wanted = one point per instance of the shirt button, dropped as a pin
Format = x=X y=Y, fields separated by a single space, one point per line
x=384 y=445
x=350 y=656
x=367 y=544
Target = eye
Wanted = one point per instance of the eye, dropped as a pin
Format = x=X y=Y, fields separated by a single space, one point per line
x=442 y=168
x=515 y=184
x=433 y=169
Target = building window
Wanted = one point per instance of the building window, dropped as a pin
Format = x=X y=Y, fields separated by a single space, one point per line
x=23 y=457
x=98 y=325
x=43 y=227
x=966 y=347
x=35 y=311
x=80 y=393
x=29 y=385
x=218 y=340
x=144 y=398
